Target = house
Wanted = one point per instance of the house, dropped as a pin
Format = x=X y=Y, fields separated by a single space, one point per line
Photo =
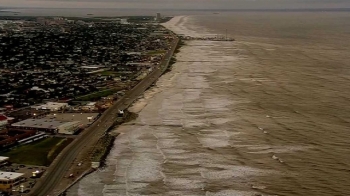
x=3 y=120
x=52 y=106
x=48 y=125
x=4 y=160
x=89 y=106
x=9 y=180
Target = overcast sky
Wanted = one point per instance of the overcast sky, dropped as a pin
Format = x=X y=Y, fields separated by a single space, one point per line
x=179 y=4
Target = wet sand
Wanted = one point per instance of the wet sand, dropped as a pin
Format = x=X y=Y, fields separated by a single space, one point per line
x=235 y=118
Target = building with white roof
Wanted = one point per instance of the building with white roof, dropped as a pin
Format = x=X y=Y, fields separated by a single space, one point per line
x=3 y=120
x=9 y=179
x=89 y=106
x=52 y=106
x=4 y=160
x=124 y=21
x=48 y=125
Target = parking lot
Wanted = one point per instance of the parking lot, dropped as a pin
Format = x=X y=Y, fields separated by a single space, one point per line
x=28 y=181
x=84 y=118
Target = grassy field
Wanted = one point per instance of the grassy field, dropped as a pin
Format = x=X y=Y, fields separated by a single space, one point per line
x=108 y=73
x=40 y=153
x=97 y=95
x=156 y=52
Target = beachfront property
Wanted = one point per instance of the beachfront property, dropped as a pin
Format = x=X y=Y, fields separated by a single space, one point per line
x=52 y=126
x=158 y=17
x=9 y=179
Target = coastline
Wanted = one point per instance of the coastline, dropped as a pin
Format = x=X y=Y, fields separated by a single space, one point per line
x=136 y=107
x=212 y=126
x=55 y=171
x=157 y=150
x=265 y=115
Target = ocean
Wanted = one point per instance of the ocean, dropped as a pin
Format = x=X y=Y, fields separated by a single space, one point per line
x=267 y=114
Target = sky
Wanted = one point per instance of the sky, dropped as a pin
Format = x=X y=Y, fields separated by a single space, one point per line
x=179 y=4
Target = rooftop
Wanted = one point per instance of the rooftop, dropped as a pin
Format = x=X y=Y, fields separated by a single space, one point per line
x=50 y=105
x=53 y=104
x=9 y=175
x=3 y=158
x=26 y=113
x=2 y=117
x=83 y=118
x=92 y=67
x=43 y=123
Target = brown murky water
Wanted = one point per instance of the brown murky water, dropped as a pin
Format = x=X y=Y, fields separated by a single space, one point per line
x=267 y=114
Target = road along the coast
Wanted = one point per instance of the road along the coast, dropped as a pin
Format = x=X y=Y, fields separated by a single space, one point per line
x=90 y=136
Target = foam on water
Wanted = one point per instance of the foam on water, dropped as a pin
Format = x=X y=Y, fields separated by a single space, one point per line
x=179 y=154
x=230 y=193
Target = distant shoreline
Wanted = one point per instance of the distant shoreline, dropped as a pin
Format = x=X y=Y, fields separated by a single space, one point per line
x=113 y=12
x=206 y=10
x=8 y=11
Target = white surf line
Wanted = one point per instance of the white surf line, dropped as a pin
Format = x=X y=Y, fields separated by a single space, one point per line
x=262 y=129
x=164 y=157
x=159 y=149
x=127 y=168
x=204 y=181
x=163 y=175
x=277 y=158
x=228 y=137
x=283 y=117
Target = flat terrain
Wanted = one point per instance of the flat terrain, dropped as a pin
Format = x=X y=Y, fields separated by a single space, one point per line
x=97 y=95
x=82 y=117
x=39 y=153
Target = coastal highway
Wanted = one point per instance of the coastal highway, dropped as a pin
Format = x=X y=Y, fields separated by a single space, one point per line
x=52 y=177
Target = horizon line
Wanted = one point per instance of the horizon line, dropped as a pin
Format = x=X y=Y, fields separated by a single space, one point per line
x=193 y=9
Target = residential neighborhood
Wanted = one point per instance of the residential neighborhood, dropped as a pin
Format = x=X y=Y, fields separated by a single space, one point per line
x=58 y=76
x=56 y=58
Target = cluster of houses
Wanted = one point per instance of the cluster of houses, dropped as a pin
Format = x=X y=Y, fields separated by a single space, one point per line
x=61 y=60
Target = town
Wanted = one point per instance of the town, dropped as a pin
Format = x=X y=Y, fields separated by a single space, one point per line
x=58 y=75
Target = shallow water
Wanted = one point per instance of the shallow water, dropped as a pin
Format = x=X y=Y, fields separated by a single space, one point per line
x=266 y=114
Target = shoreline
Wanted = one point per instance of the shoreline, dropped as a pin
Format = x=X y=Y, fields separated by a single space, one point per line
x=136 y=107
x=229 y=119
x=148 y=97
x=158 y=150
x=122 y=104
